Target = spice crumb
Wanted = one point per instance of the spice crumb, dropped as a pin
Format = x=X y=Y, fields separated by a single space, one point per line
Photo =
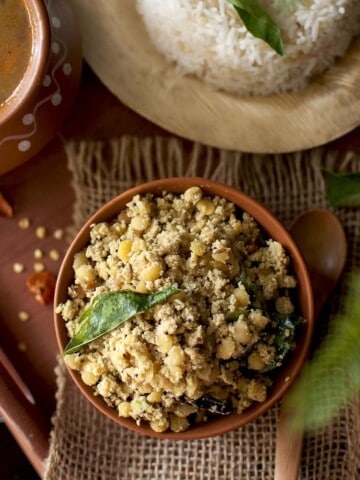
x=24 y=223
x=40 y=232
x=54 y=255
x=23 y=316
x=22 y=346
x=18 y=267
x=42 y=284
x=5 y=208
x=59 y=233
x=38 y=267
x=38 y=253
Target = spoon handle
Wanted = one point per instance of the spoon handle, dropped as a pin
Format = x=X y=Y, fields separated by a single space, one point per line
x=288 y=448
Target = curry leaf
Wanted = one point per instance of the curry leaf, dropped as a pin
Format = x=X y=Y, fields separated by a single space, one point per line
x=108 y=310
x=256 y=297
x=259 y=23
x=283 y=327
x=343 y=189
x=332 y=377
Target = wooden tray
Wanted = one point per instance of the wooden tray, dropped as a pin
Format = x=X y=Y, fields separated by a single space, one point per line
x=41 y=191
x=118 y=48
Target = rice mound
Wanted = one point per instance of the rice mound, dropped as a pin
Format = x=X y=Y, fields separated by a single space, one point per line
x=208 y=39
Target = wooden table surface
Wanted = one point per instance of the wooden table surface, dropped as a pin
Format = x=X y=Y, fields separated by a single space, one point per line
x=40 y=190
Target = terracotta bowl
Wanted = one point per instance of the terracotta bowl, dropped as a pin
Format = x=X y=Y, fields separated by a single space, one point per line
x=274 y=228
x=31 y=116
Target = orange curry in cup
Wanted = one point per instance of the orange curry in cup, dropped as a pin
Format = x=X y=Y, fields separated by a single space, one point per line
x=15 y=45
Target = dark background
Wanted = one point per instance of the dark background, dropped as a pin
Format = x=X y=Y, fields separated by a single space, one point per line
x=14 y=464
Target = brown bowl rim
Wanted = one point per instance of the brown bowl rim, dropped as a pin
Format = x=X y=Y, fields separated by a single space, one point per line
x=291 y=369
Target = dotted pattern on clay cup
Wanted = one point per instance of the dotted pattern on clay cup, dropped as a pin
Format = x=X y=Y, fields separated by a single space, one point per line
x=31 y=117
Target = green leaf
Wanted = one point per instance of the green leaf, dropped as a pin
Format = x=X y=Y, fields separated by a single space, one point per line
x=108 y=310
x=256 y=297
x=343 y=189
x=259 y=23
x=332 y=377
x=284 y=328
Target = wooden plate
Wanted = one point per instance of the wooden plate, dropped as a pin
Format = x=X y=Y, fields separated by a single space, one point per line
x=117 y=47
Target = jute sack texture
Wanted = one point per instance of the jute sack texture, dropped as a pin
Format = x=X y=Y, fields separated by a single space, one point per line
x=87 y=446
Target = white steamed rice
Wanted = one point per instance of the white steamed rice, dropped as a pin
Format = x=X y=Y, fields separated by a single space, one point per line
x=207 y=39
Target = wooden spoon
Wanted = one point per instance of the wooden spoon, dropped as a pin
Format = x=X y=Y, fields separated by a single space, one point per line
x=322 y=242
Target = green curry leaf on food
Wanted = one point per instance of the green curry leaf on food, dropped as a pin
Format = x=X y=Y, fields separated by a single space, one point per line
x=281 y=327
x=259 y=23
x=342 y=189
x=108 y=310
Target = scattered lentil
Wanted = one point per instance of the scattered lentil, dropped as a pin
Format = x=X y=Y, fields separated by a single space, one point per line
x=22 y=346
x=38 y=253
x=54 y=255
x=24 y=223
x=18 y=267
x=23 y=316
x=41 y=232
x=38 y=267
x=58 y=233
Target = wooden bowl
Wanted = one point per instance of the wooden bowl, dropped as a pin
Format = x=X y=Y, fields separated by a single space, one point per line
x=31 y=116
x=274 y=228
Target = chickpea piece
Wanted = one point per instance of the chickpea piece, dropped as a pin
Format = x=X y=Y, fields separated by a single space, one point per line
x=151 y=273
x=198 y=248
x=85 y=274
x=242 y=297
x=226 y=349
x=165 y=342
x=193 y=194
x=241 y=332
x=178 y=424
x=255 y=362
x=257 y=391
x=284 y=305
x=176 y=356
x=124 y=409
x=154 y=397
x=205 y=206
x=159 y=425
x=124 y=250
x=89 y=378
x=141 y=287
x=139 y=223
x=79 y=259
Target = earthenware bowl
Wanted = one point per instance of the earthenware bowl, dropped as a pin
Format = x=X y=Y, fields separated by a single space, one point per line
x=274 y=228
x=31 y=117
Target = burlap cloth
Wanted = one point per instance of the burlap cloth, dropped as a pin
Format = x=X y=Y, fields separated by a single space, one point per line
x=87 y=446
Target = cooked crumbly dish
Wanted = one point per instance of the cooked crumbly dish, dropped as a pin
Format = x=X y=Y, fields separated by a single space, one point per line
x=209 y=348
